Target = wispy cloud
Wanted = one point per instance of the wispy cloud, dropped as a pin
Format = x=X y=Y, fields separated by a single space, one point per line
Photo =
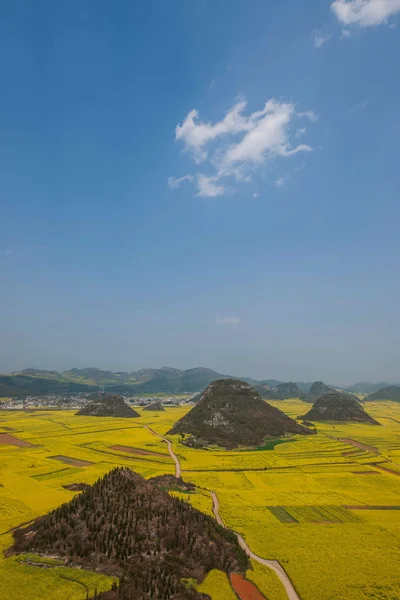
x=365 y=13
x=195 y=134
x=310 y=115
x=240 y=144
x=362 y=105
x=301 y=131
x=208 y=186
x=8 y=251
x=320 y=37
x=175 y=183
x=281 y=181
x=227 y=320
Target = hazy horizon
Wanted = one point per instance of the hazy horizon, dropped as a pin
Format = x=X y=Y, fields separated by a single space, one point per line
x=198 y=183
x=239 y=374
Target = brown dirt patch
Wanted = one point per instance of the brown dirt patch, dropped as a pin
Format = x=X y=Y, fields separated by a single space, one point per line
x=244 y=589
x=392 y=471
x=359 y=445
x=130 y=450
x=6 y=438
x=75 y=462
x=365 y=473
x=76 y=487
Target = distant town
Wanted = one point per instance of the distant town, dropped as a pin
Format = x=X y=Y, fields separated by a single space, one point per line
x=77 y=401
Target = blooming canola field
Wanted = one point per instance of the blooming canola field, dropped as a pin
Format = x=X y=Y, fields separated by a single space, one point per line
x=327 y=506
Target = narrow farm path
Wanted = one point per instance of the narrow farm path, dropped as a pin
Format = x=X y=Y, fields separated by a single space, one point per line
x=272 y=564
x=171 y=451
x=359 y=445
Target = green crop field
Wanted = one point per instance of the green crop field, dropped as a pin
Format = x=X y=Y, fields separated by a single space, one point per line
x=324 y=506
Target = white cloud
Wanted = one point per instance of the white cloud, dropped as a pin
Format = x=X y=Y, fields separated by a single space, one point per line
x=174 y=183
x=320 y=38
x=362 y=105
x=227 y=320
x=281 y=181
x=208 y=186
x=365 y=13
x=8 y=251
x=196 y=134
x=301 y=131
x=345 y=34
x=310 y=115
x=240 y=144
x=255 y=194
x=267 y=137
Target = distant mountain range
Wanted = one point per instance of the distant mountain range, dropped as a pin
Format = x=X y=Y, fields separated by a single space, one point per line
x=166 y=380
x=146 y=381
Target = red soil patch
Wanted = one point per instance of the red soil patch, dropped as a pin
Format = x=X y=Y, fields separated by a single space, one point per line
x=6 y=438
x=75 y=462
x=365 y=473
x=244 y=589
x=130 y=450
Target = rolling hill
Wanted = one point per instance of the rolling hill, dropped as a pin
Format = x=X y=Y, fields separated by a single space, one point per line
x=107 y=405
x=336 y=406
x=231 y=413
x=391 y=392
x=126 y=526
x=317 y=389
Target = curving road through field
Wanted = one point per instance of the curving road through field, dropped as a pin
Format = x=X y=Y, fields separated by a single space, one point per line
x=171 y=451
x=272 y=564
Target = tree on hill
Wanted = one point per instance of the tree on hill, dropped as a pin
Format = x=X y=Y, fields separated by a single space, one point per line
x=317 y=389
x=107 y=405
x=336 y=406
x=231 y=413
x=391 y=392
x=287 y=390
x=267 y=393
x=125 y=526
x=156 y=406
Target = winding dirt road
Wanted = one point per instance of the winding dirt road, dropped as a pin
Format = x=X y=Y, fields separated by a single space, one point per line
x=272 y=564
x=171 y=451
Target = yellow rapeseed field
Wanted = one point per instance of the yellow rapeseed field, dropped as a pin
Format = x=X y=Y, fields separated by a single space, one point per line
x=327 y=507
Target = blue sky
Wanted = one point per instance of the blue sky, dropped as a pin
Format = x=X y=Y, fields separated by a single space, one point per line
x=276 y=256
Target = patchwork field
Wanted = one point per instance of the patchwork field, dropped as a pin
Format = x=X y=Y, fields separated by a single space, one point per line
x=327 y=507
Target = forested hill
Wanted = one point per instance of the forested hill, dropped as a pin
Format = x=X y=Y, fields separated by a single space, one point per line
x=166 y=380
x=146 y=381
x=125 y=526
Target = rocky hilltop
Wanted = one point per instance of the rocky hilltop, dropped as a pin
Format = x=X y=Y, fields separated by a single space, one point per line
x=231 y=413
x=317 y=389
x=287 y=390
x=125 y=526
x=391 y=392
x=108 y=405
x=157 y=406
x=267 y=393
x=336 y=406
